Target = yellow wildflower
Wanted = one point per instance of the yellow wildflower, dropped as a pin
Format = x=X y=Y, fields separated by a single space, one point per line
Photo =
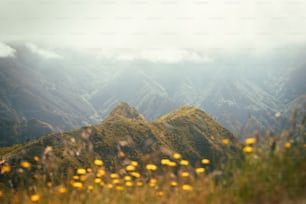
x=62 y=190
x=134 y=163
x=114 y=175
x=130 y=168
x=205 y=161
x=129 y=184
x=160 y=193
x=25 y=164
x=200 y=170
x=165 y=161
x=173 y=183
x=185 y=174
x=83 y=178
x=187 y=187
x=77 y=184
x=35 y=198
x=109 y=185
x=116 y=181
x=81 y=171
x=177 y=156
x=127 y=178
x=97 y=180
x=135 y=174
x=288 y=145
x=119 y=188
x=98 y=162
x=172 y=164
x=76 y=177
x=36 y=158
x=184 y=162
x=100 y=173
x=151 y=167
x=250 y=140
x=139 y=184
x=89 y=170
x=6 y=169
x=90 y=187
x=247 y=149
x=225 y=141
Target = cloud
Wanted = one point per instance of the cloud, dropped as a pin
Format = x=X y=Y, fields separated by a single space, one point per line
x=48 y=54
x=6 y=51
x=168 y=56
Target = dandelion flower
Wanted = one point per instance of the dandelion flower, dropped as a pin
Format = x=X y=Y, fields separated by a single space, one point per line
x=109 y=185
x=187 y=187
x=250 y=140
x=62 y=190
x=35 y=198
x=119 y=188
x=97 y=180
x=160 y=193
x=130 y=168
x=184 y=162
x=177 y=156
x=89 y=170
x=135 y=174
x=134 y=163
x=164 y=161
x=116 y=181
x=139 y=184
x=114 y=175
x=76 y=177
x=77 y=184
x=200 y=170
x=49 y=184
x=185 y=174
x=247 y=149
x=83 y=178
x=25 y=164
x=6 y=169
x=173 y=184
x=288 y=145
x=36 y=158
x=226 y=141
x=205 y=161
x=98 y=162
x=127 y=178
x=151 y=167
x=129 y=184
x=100 y=173
x=81 y=171
x=90 y=187
x=172 y=164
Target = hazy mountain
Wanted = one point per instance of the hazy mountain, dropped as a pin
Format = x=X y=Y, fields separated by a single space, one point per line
x=67 y=89
x=126 y=135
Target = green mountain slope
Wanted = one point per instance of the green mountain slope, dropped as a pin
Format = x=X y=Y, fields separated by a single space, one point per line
x=125 y=135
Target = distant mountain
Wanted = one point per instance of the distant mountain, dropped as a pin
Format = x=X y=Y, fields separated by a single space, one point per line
x=67 y=89
x=125 y=135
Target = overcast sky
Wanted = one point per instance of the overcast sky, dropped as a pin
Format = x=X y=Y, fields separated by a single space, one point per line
x=161 y=24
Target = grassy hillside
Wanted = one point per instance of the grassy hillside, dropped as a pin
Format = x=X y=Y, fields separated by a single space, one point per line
x=183 y=157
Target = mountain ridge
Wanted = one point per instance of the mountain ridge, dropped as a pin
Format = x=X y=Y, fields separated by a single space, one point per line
x=121 y=137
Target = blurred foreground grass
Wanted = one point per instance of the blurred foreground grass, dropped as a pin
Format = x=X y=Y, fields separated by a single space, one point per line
x=272 y=170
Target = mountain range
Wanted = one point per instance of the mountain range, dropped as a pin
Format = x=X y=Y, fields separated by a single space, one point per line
x=125 y=135
x=46 y=93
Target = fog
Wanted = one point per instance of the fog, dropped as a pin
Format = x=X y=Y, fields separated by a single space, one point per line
x=147 y=25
